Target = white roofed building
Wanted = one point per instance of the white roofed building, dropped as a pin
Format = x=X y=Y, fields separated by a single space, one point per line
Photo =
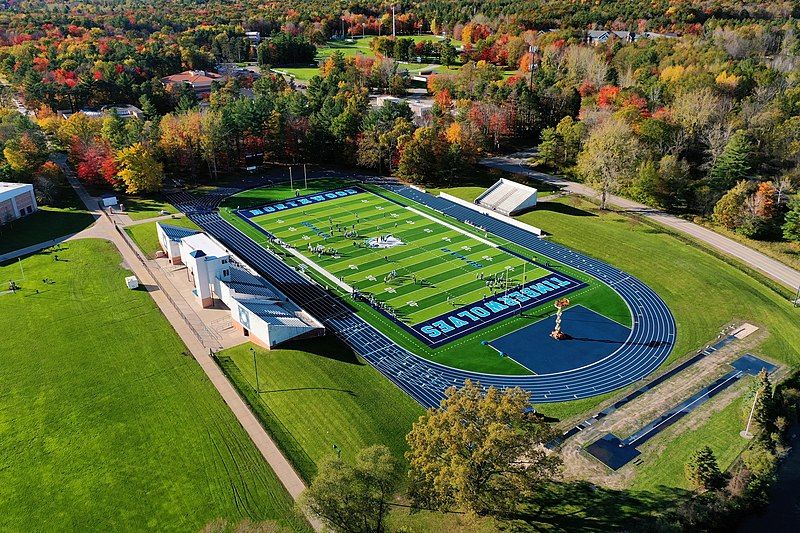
x=16 y=200
x=258 y=309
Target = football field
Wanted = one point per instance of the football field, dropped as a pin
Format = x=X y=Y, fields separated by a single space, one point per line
x=437 y=280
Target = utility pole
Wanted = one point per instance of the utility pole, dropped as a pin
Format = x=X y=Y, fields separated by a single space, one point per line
x=291 y=180
x=394 y=28
x=305 y=175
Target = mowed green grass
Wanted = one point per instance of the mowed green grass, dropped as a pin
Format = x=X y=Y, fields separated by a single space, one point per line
x=665 y=467
x=443 y=281
x=468 y=352
x=145 y=236
x=359 y=47
x=141 y=208
x=67 y=215
x=317 y=393
x=105 y=423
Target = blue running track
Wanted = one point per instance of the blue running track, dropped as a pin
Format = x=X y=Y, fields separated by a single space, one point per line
x=651 y=339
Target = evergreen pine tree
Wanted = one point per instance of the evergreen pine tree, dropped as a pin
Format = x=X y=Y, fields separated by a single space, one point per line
x=791 y=225
x=702 y=470
x=734 y=163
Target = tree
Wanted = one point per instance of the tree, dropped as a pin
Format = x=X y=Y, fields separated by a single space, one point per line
x=482 y=452
x=765 y=200
x=46 y=182
x=355 y=498
x=113 y=130
x=610 y=157
x=447 y=53
x=734 y=163
x=764 y=412
x=791 y=225
x=550 y=148
x=139 y=169
x=286 y=49
x=702 y=470
x=730 y=209
x=26 y=153
x=421 y=156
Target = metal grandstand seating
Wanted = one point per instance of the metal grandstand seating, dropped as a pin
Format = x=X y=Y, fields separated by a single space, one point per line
x=507 y=197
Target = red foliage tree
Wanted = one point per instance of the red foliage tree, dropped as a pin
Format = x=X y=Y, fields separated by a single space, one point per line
x=607 y=97
x=587 y=88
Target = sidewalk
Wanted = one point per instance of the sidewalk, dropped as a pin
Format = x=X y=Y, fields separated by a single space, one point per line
x=518 y=163
x=103 y=228
x=34 y=248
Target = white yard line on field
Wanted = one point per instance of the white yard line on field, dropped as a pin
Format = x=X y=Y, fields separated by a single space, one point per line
x=452 y=227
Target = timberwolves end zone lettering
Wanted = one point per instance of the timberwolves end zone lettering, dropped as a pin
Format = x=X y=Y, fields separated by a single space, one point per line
x=298 y=201
x=494 y=308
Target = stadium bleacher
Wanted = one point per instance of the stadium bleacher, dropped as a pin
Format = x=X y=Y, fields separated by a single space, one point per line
x=508 y=197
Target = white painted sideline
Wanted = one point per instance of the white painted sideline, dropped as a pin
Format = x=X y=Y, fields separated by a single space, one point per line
x=452 y=227
x=488 y=212
x=319 y=269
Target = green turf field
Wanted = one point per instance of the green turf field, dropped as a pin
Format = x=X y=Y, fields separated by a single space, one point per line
x=105 y=423
x=435 y=268
x=467 y=352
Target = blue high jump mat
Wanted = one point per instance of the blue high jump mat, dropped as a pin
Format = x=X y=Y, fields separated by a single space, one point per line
x=592 y=337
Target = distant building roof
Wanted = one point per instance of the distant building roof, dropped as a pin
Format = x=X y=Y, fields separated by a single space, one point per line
x=124 y=111
x=196 y=78
x=176 y=233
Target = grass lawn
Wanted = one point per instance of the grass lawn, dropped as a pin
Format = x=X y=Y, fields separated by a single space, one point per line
x=353 y=48
x=139 y=208
x=317 y=393
x=720 y=433
x=105 y=424
x=66 y=216
x=703 y=292
x=144 y=235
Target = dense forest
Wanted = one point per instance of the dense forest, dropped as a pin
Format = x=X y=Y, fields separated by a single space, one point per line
x=693 y=107
x=700 y=117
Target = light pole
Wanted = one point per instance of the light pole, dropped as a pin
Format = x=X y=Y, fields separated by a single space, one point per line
x=255 y=366
x=746 y=433
x=533 y=51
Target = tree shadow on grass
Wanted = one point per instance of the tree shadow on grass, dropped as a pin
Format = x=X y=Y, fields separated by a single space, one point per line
x=564 y=209
x=329 y=346
x=581 y=506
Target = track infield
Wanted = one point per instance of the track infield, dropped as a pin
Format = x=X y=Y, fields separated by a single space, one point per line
x=436 y=280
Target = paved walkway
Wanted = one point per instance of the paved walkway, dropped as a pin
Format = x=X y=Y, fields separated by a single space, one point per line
x=773 y=268
x=104 y=228
x=33 y=248
x=127 y=221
